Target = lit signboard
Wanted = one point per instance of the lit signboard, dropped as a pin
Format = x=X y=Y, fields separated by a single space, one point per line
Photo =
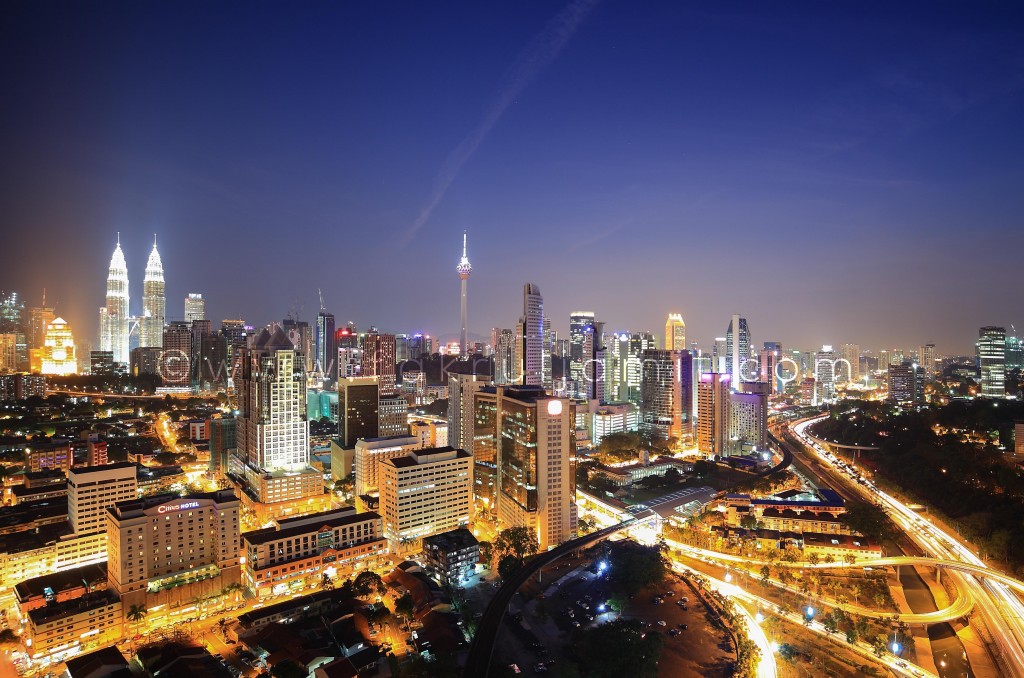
x=177 y=507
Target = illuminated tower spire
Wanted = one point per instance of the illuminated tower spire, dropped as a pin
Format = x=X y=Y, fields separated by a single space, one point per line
x=114 y=316
x=464 y=269
x=154 y=301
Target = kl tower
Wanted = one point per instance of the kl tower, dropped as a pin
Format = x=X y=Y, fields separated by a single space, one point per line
x=464 y=269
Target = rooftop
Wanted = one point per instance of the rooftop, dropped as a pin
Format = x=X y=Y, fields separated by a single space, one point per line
x=417 y=457
x=89 y=601
x=86 y=470
x=452 y=540
x=269 y=534
x=106 y=662
x=87 y=576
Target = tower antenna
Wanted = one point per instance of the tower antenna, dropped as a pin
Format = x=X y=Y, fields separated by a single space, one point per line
x=320 y=292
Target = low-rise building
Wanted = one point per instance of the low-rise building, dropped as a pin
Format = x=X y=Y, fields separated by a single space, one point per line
x=298 y=552
x=49 y=454
x=93 y=618
x=107 y=662
x=57 y=587
x=451 y=556
x=626 y=474
x=839 y=546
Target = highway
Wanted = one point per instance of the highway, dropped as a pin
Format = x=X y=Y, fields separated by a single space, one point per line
x=999 y=607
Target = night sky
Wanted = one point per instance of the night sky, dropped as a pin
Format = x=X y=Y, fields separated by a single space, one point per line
x=835 y=174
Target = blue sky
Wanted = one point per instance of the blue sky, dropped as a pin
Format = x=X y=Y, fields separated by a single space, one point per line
x=835 y=172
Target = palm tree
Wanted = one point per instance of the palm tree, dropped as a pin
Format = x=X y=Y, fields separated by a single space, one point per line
x=136 y=614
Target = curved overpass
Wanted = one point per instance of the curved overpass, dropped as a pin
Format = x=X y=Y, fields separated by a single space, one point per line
x=479 y=660
x=963 y=604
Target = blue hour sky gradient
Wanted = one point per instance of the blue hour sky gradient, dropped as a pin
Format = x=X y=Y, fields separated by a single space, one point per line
x=836 y=172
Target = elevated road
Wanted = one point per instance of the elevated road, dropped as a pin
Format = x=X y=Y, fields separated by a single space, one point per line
x=480 y=652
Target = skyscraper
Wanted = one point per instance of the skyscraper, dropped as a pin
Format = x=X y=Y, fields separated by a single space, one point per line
x=464 y=269
x=926 y=359
x=176 y=361
x=737 y=345
x=379 y=361
x=154 y=302
x=850 y=354
x=992 y=361
x=58 y=353
x=748 y=417
x=195 y=307
x=824 y=376
x=666 y=390
x=530 y=338
x=503 y=341
x=326 y=345
x=713 y=413
x=114 y=316
x=581 y=351
x=675 y=333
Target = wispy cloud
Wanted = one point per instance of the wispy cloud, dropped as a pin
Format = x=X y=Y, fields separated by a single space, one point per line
x=541 y=51
x=598 y=236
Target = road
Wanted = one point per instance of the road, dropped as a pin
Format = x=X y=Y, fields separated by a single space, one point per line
x=999 y=607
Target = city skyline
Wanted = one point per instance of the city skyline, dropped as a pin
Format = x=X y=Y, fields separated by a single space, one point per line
x=642 y=143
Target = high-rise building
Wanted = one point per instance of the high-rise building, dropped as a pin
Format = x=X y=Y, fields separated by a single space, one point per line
x=769 y=363
x=462 y=389
x=94 y=489
x=504 y=344
x=114 y=317
x=424 y=493
x=358 y=410
x=326 y=346
x=176 y=361
x=666 y=389
x=581 y=352
x=748 y=417
x=464 y=269
x=849 y=368
x=58 y=355
x=824 y=376
x=737 y=344
x=713 y=413
x=223 y=442
x=195 y=307
x=370 y=453
x=992 y=361
x=906 y=383
x=302 y=337
x=639 y=342
x=12 y=312
x=1014 y=351
x=926 y=359
x=675 y=333
x=272 y=429
x=884 y=360
x=535 y=435
x=393 y=415
x=720 y=354
x=236 y=335
x=379 y=361
x=8 y=352
x=547 y=349
x=530 y=338
x=154 y=302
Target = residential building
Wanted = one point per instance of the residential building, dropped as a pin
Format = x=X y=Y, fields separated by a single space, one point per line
x=666 y=390
x=849 y=368
x=748 y=417
x=713 y=413
x=462 y=389
x=451 y=557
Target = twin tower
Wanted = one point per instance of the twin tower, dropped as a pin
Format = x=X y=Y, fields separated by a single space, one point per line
x=115 y=318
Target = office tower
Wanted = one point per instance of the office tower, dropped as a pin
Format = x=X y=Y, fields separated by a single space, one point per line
x=58 y=354
x=992 y=361
x=926 y=359
x=358 y=410
x=463 y=269
x=223 y=440
x=272 y=429
x=850 y=354
x=349 y=353
x=143 y=361
x=748 y=417
x=236 y=335
x=39 y=319
x=393 y=415
x=719 y=354
x=114 y=316
x=326 y=346
x=296 y=553
x=530 y=338
x=713 y=413
x=639 y=342
x=302 y=337
x=213 y=362
x=504 y=342
x=484 y=444
x=581 y=351
x=379 y=361
x=675 y=333
x=154 y=302
x=824 y=376
x=176 y=361
x=195 y=307
x=461 y=392
x=906 y=383
x=198 y=551
x=8 y=352
x=884 y=360
x=1014 y=359
x=199 y=329
x=20 y=386
x=737 y=348
x=768 y=368
x=536 y=480
x=94 y=489
x=547 y=348
x=666 y=389
x=12 y=311
x=370 y=453
x=424 y=493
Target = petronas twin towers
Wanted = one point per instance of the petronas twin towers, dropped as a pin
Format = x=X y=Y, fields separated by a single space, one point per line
x=116 y=322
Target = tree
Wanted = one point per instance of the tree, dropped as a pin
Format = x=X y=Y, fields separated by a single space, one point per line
x=813 y=559
x=634 y=566
x=829 y=623
x=855 y=591
x=486 y=553
x=879 y=644
x=8 y=638
x=289 y=668
x=517 y=541
x=618 y=648
x=869 y=520
x=136 y=613
x=367 y=583
x=405 y=607
x=508 y=566
x=326 y=582
x=766 y=574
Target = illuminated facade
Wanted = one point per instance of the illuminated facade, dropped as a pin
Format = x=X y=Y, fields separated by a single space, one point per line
x=379 y=361
x=581 y=351
x=114 y=317
x=195 y=307
x=530 y=340
x=713 y=413
x=371 y=452
x=536 y=471
x=165 y=550
x=425 y=492
x=992 y=360
x=154 y=302
x=297 y=552
x=675 y=333
x=94 y=489
x=737 y=350
x=665 y=394
x=59 y=356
